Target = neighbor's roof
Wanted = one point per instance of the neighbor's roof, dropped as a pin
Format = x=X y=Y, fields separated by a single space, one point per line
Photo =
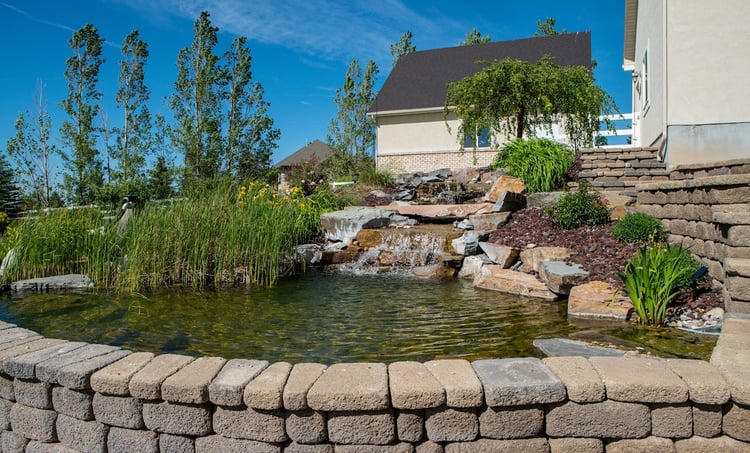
x=420 y=79
x=316 y=152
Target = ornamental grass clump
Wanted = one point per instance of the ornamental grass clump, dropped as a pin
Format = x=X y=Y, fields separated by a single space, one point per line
x=575 y=209
x=637 y=227
x=654 y=276
x=540 y=163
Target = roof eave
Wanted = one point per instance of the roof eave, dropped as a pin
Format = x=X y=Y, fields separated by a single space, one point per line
x=631 y=22
x=400 y=112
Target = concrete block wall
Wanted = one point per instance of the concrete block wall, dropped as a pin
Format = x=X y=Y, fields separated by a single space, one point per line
x=59 y=396
x=706 y=208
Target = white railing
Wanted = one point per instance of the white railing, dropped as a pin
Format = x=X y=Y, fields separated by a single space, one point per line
x=623 y=133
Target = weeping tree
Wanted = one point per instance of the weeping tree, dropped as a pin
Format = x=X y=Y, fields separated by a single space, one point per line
x=514 y=98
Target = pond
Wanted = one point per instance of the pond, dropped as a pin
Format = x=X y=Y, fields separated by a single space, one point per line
x=332 y=317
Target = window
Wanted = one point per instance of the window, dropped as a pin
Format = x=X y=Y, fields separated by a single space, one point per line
x=481 y=140
x=645 y=89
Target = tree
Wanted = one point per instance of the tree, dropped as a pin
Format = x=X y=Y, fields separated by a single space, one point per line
x=9 y=199
x=134 y=139
x=513 y=97
x=197 y=103
x=251 y=137
x=160 y=180
x=84 y=173
x=474 y=37
x=31 y=150
x=402 y=47
x=352 y=133
x=547 y=28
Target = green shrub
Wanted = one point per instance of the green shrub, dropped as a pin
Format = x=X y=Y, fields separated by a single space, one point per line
x=541 y=164
x=638 y=227
x=653 y=276
x=574 y=209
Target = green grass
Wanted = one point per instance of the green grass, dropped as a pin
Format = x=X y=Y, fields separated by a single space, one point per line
x=541 y=164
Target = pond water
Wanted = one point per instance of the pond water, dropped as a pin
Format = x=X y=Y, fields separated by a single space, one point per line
x=331 y=317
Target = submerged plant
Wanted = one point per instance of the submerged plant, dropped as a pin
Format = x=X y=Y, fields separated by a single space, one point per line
x=652 y=278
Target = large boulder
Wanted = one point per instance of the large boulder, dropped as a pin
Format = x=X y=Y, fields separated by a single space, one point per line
x=533 y=257
x=488 y=221
x=58 y=282
x=495 y=278
x=598 y=300
x=560 y=276
x=440 y=211
x=472 y=265
x=467 y=244
x=509 y=201
x=504 y=183
x=501 y=255
x=343 y=226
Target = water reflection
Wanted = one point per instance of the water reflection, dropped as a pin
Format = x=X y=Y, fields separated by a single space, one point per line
x=330 y=318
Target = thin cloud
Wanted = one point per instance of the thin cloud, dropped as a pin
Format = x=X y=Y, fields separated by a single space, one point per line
x=327 y=29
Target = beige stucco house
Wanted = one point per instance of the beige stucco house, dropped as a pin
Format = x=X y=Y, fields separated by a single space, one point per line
x=690 y=64
x=412 y=134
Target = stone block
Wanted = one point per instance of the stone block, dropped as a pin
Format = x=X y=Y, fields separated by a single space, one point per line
x=672 y=420
x=499 y=446
x=509 y=202
x=706 y=420
x=565 y=347
x=6 y=387
x=5 y=407
x=576 y=445
x=146 y=383
x=177 y=418
x=514 y=422
x=44 y=447
x=652 y=443
x=249 y=423
x=77 y=375
x=518 y=382
x=216 y=443
x=429 y=446
x=467 y=244
x=229 y=385
x=33 y=393
x=607 y=420
x=120 y=411
x=597 y=299
x=190 y=384
x=434 y=272
x=412 y=386
x=48 y=370
x=398 y=448
x=74 y=403
x=306 y=426
x=489 y=221
x=372 y=427
x=23 y=346
x=24 y=366
x=737 y=267
x=738 y=287
x=582 y=382
x=735 y=423
x=267 y=390
x=640 y=380
x=114 y=379
x=501 y=255
x=301 y=378
x=132 y=441
x=698 y=444
x=351 y=387
x=493 y=277
x=81 y=435
x=560 y=276
x=33 y=423
x=295 y=447
x=471 y=266
x=504 y=183
x=461 y=384
x=451 y=425
x=176 y=444
x=533 y=257
x=11 y=442
x=705 y=383
x=15 y=333
x=410 y=425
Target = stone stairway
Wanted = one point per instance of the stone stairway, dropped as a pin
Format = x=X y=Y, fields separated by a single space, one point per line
x=621 y=168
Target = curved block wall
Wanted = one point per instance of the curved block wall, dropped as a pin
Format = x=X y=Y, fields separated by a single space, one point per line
x=57 y=395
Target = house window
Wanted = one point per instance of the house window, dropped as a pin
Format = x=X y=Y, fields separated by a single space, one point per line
x=645 y=81
x=480 y=140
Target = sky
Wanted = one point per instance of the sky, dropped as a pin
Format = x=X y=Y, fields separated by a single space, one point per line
x=300 y=48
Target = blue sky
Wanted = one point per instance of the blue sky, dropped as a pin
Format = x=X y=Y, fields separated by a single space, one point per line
x=300 y=48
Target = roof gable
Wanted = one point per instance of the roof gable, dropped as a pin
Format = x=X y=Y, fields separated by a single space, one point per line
x=315 y=151
x=420 y=79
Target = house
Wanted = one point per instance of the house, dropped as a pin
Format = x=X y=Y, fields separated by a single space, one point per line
x=309 y=155
x=690 y=64
x=413 y=133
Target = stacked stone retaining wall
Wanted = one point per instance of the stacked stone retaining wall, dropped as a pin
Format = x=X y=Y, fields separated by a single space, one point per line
x=59 y=396
x=621 y=168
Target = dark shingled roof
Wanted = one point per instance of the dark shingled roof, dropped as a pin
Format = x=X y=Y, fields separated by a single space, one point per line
x=316 y=151
x=420 y=79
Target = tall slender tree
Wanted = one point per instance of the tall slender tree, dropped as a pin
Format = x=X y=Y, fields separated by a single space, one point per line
x=80 y=156
x=402 y=47
x=31 y=150
x=197 y=103
x=352 y=133
x=251 y=137
x=135 y=137
x=9 y=197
